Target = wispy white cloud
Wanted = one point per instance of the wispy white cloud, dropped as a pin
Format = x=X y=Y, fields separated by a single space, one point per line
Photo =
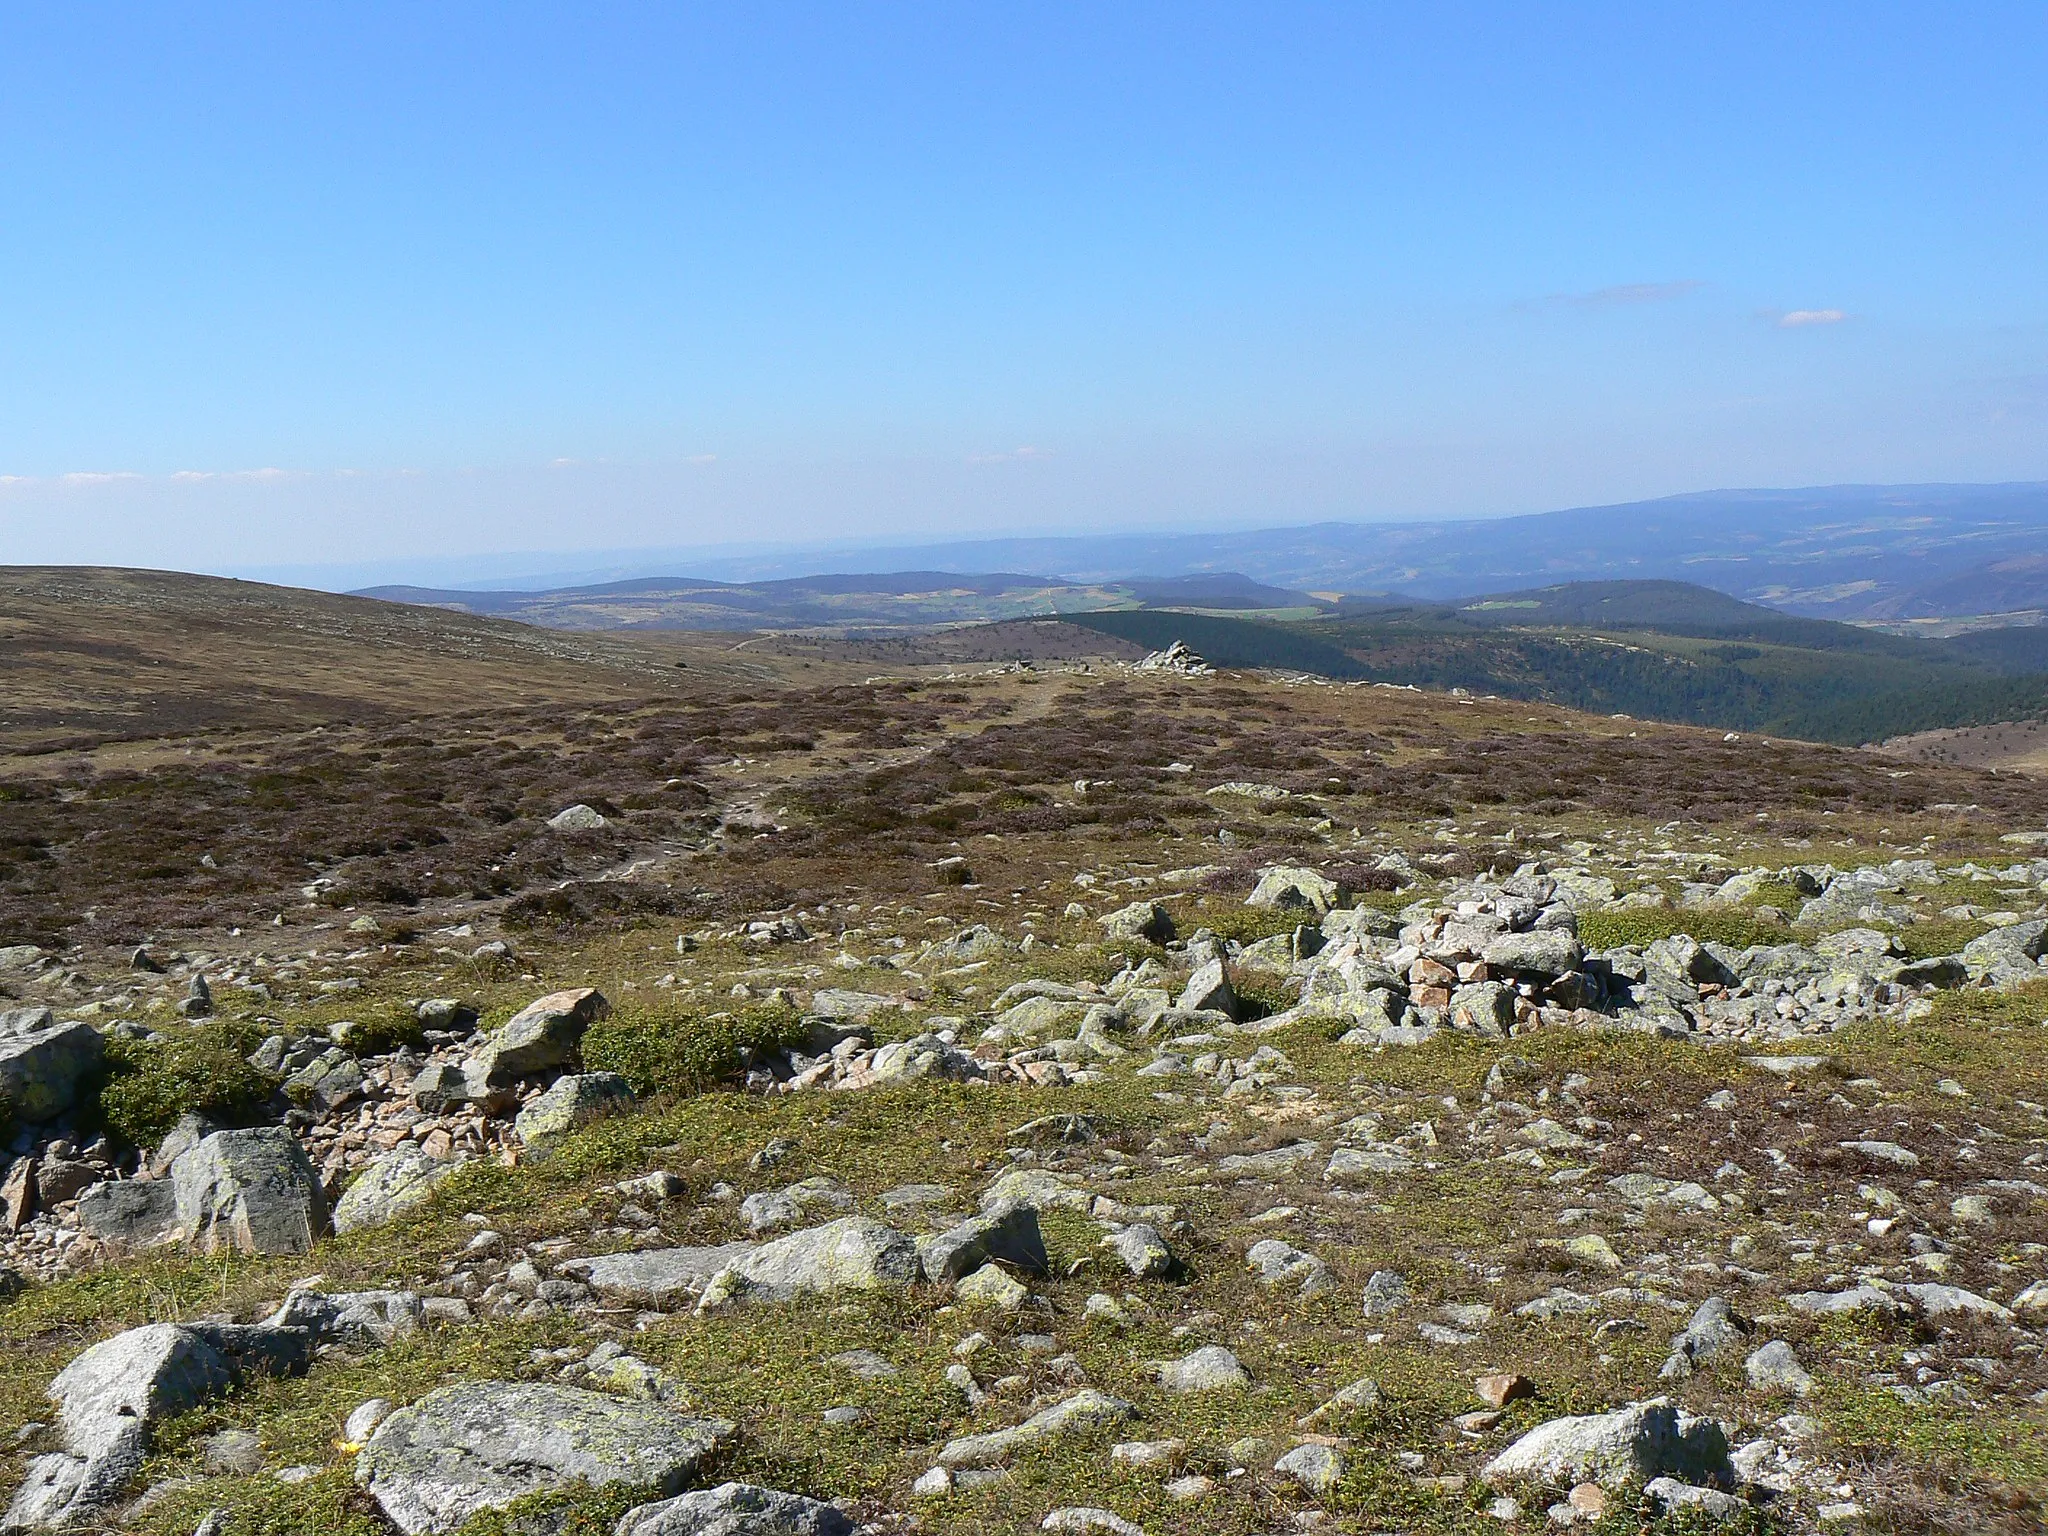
x=1793 y=319
x=195 y=476
x=1010 y=456
x=1635 y=293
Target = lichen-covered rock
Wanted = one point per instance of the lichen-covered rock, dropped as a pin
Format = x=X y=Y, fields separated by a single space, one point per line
x=397 y=1182
x=735 y=1509
x=1141 y=921
x=1037 y=1188
x=571 y=1103
x=855 y=1253
x=921 y=1056
x=361 y=1319
x=1007 y=1235
x=1775 y=1368
x=483 y=1445
x=1544 y=952
x=540 y=1037
x=130 y=1213
x=251 y=1191
x=1143 y=1251
x=773 y=1209
x=655 y=1278
x=1211 y=1368
x=1085 y=1411
x=1294 y=887
x=1632 y=1444
x=42 y=1060
x=991 y=1286
x=1209 y=989
x=111 y=1398
x=328 y=1081
x=1281 y=1265
x=1317 y=1468
x=2016 y=948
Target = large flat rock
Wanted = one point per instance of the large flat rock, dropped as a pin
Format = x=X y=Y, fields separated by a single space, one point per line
x=483 y=1445
x=659 y=1279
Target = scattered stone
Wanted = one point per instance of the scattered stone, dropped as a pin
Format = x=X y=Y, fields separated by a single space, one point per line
x=1148 y=1453
x=1317 y=1468
x=802 y=1201
x=1294 y=887
x=1385 y=1293
x=1668 y=1495
x=541 y=1037
x=1209 y=1369
x=1503 y=1387
x=363 y=1421
x=1143 y=1252
x=1008 y=1234
x=236 y=1452
x=660 y=1279
x=1140 y=922
x=1088 y=1518
x=1713 y=1328
x=1281 y=1265
x=1775 y=1368
x=990 y=1286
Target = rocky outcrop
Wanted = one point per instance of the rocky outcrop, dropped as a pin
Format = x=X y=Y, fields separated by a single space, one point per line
x=572 y=1102
x=855 y=1253
x=397 y=1182
x=111 y=1398
x=42 y=1060
x=1632 y=1444
x=659 y=1279
x=482 y=1445
x=250 y=1191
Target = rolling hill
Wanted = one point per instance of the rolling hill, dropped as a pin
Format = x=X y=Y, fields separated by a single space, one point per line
x=1656 y=650
x=1841 y=552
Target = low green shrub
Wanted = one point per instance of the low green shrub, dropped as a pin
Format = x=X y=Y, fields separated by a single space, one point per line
x=1943 y=936
x=1646 y=925
x=145 y=1085
x=679 y=1053
x=383 y=1033
x=1246 y=925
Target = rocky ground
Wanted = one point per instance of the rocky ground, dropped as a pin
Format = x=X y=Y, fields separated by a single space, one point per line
x=1293 y=1155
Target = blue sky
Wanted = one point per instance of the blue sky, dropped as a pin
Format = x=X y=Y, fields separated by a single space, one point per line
x=320 y=282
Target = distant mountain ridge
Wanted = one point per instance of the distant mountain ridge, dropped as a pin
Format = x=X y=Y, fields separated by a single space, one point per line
x=1885 y=553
